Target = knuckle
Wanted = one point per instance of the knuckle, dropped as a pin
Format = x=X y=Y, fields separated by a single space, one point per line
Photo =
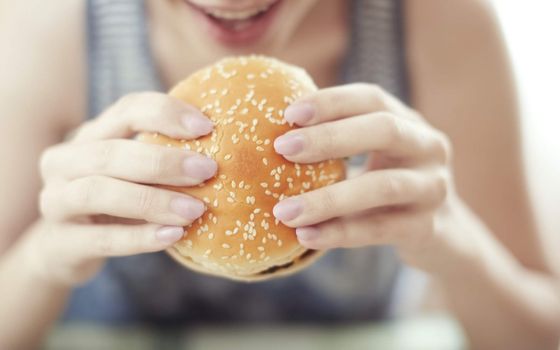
x=81 y=192
x=46 y=162
x=392 y=129
x=146 y=201
x=327 y=143
x=445 y=148
x=129 y=99
x=46 y=205
x=328 y=102
x=157 y=164
x=86 y=129
x=441 y=186
x=390 y=189
x=139 y=241
x=328 y=200
x=374 y=90
x=340 y=235
x=102 y=159
x=127 y=102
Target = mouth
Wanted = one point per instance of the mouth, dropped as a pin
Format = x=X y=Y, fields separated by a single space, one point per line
x=237 y=27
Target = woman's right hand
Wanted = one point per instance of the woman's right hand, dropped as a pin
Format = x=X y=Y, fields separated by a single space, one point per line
x=97 y=200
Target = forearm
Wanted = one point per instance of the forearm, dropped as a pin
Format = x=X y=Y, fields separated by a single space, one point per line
x=29 y=304
x=501 y=304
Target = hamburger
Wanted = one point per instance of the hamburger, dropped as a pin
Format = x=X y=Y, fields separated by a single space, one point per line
x=238 y=237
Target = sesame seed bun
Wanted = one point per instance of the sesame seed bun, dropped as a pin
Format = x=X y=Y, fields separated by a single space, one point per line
x=238 y=237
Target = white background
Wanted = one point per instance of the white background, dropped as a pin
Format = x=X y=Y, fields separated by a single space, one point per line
x=532 y=30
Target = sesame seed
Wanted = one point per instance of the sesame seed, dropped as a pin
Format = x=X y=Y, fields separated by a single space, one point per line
x=265 y=161
x=226 y=246
x=227 y=157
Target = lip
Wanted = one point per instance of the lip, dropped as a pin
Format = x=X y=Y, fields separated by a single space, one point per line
x=250 y=34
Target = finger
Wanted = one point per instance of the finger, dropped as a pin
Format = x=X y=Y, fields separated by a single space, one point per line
x=367 y=229
x=96 y=195
x=150 y=112
x=127 y=160
x=375 y=132
x=93 y=241
x=374 y=189
x=341 y=102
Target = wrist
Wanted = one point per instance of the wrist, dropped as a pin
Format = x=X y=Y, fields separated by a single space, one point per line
x=463 y=249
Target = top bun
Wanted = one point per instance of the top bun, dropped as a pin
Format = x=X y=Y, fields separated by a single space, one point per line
x=238 y=237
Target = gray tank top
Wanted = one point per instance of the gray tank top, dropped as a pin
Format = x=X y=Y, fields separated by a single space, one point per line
x=345 y=285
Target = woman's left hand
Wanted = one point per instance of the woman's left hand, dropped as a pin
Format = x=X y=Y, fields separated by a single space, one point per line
x=407 y=180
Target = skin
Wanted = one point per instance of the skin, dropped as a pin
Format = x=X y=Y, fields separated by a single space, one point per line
x=444 y=176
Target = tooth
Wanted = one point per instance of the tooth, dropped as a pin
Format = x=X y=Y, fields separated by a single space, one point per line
x=239 y=15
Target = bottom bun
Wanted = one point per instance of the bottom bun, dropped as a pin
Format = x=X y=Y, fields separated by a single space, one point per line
x=298 y=263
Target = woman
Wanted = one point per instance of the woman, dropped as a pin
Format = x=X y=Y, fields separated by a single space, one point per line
x=467 y=223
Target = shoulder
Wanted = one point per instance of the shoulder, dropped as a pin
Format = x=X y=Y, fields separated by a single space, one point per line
x=454 y=36
x=458 y=65
x=42 y=44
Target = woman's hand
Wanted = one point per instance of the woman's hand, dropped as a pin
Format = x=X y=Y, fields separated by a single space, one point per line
x=402 y=192
x=97 y=202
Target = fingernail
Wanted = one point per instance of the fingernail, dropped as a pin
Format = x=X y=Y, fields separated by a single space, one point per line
x=169 y=234
x=188 y=208
x=289 y=145
x=307 y=233
x=200 y=167
x=288 y=209
x=198 y=125
x=299 y=113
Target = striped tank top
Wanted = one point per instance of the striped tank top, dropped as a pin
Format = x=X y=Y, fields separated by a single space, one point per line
x=345 y=285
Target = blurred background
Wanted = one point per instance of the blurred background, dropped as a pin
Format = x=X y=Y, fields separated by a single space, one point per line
x=532 y=37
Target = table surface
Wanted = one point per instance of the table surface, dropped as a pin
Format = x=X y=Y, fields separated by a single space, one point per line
x=433 y=332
